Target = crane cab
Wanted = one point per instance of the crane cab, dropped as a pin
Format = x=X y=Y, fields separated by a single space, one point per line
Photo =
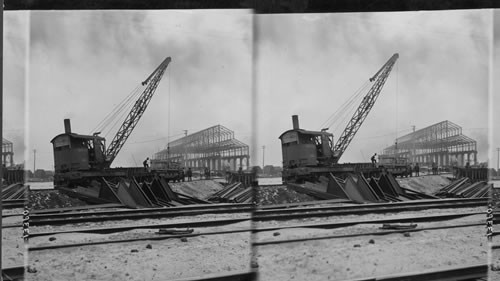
x=303 y=148
x=74 y=152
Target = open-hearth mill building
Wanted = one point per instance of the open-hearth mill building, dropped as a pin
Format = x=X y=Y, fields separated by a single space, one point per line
x=214 y=148
x=442 y=143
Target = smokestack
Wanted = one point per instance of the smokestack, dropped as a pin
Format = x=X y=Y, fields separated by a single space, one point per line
x=67 y=126
x=295 y=121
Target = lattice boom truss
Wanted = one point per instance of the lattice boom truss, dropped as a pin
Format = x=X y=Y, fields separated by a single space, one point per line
x=442 y=143
x=213 y=148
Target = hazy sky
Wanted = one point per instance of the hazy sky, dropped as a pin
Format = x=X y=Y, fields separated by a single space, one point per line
x=15 y=34
x=310 y=65
x=83 y=63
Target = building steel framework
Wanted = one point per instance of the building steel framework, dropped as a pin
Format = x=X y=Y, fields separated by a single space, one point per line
x=7 y=153
x=213 y=148
x=442 y=143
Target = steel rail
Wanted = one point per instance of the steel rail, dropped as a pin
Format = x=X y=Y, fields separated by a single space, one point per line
x=13 y=273
x=147 y=238
x=226 y=276
x=359 y=210
x=208 y=233
x=372 y=233
x=42 y=214
x=329 y=225
x=60 y=219
x=259 y=215
x=113 y=229
x=326 y=225
x=469 y=272
x=376 y=205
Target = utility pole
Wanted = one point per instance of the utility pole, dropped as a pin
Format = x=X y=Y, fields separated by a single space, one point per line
x=34 y=161
x=498 y=158
x=263 y=154
x=185 y=149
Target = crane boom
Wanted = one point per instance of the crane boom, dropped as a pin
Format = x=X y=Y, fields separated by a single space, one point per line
x=364 y=108
x=136 y=112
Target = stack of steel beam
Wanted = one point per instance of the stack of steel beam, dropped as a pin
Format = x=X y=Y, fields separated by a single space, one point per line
x=357 y=188
x=463 y=188
x=235 y=193
x=134 y=193
x=14 y=195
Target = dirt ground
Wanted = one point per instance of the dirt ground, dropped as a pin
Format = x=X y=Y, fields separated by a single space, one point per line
x=142 y=260
x=368 y=256
x=13 y=249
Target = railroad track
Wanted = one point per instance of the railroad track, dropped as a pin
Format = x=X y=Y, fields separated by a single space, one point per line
x=270 y=213
x=371 y=233
x=13 y=273
x=194 y=224
x=297 y=213
x=99 y=216
x=470 y=272
x=226 y=276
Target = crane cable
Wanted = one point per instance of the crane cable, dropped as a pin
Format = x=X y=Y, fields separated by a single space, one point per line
x=346 y=106
x=168 y=108
x=396 y=107
x=124 y=110
x=110 y=117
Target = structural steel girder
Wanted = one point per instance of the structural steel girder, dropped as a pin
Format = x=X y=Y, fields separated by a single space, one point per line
x=444 y=136
x=7 y=152
x=214 y=142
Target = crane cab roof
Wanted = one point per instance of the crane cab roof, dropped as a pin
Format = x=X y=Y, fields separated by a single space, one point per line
x=77 y=136
x=306 y=132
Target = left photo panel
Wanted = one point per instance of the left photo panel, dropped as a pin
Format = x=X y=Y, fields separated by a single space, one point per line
x=137 y=144
x=14 y=188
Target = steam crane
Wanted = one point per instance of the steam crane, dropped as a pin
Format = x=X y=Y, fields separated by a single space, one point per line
x=307 y=154
x=80 y=158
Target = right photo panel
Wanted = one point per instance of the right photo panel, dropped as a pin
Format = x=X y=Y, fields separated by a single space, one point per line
x=493 y=209
x=373 y=131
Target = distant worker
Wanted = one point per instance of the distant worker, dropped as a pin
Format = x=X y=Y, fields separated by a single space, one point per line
x=240 y=170
x=417 y=170
x=189 y=174
x=374 y=160
x=434 y=168
x=207 y=173
x=146 y=163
